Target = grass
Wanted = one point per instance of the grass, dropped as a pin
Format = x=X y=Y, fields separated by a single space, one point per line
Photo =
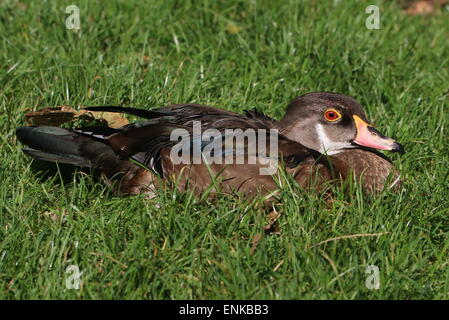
x=234 y=55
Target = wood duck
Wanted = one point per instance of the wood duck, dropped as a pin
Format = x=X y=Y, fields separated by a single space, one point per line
x=322 y=137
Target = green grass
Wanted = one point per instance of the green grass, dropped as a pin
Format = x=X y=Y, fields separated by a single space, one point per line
x=161 y=52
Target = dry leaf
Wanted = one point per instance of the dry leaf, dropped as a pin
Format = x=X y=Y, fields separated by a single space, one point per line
x=56 y=116
x=232 y=28
x=113 y=119
x=420 y=7
x=50 y=116
x=90 y=92
x=255 y=241
x=146 y=60
x=55 y=215
x=426 y=7
x=271 y=228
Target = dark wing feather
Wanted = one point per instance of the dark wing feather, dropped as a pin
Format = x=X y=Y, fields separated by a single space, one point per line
x=147 y=114
x=143 y=143
x=259 y=116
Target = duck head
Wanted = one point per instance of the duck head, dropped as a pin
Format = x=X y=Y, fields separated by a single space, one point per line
x=331 y=123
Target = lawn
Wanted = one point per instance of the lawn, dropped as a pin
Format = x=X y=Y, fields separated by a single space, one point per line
x=234 y=55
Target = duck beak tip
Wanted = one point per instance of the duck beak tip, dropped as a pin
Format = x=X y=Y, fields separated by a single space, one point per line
x=397 y=147
x=368 y=136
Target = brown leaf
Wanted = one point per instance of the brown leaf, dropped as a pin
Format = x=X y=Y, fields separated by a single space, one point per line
x=272 y=227
x=113 y=119
x=56 y=116
x=55 y=215
x=255 y=241
x=421 y=8
x=426 y=7
x=50 y=116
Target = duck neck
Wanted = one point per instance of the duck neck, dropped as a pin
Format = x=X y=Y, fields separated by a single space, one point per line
x=299 y=132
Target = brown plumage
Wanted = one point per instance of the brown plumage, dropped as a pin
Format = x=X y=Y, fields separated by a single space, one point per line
x=320 y=140
x=370 y=168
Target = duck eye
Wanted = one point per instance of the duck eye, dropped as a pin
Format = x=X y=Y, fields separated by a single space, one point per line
x=332 y=115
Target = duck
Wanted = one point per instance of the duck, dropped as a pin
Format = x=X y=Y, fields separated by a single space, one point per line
x=323 y=137
x=336 y=124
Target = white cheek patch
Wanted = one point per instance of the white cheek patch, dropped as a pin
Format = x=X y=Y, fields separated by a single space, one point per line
x=327 y=146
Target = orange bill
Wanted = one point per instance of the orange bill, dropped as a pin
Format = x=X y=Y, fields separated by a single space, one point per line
x=368 y=136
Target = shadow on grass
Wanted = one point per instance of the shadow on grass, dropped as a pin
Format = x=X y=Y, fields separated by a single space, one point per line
x=45 y=171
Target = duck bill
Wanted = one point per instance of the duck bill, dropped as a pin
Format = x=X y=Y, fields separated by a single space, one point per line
x=368 y=136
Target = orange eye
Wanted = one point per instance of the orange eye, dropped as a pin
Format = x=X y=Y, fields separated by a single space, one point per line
x=332 y=115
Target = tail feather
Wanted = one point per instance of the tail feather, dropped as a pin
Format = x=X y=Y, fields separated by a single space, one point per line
x=49 y=139
x=65 y=146
x=51 y=157
x=87 y=149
